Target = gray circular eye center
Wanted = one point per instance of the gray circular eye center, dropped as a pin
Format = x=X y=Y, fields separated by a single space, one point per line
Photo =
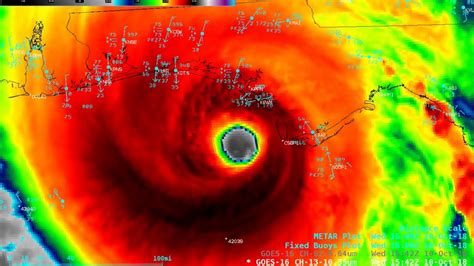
x=239 y=144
